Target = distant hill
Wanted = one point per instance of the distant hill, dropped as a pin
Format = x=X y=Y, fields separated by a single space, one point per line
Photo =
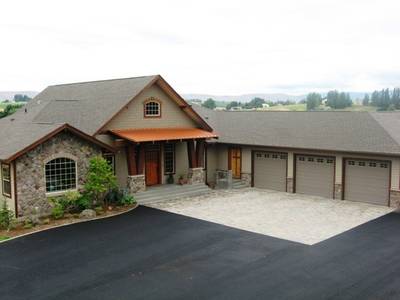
x=9 y=95
x=245 y=97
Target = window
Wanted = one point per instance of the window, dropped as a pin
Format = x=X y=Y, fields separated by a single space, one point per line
x=361 y=163
x=320 y=160
x=110 y=158
x=60 y=175
x=310 y=159
x=351 y=163
x=152 y=108
x=6 y=179
x=302 y=158
x=329 y=161
x=383 y=165
x=169 y=158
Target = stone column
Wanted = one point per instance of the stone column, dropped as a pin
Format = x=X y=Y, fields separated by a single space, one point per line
x=394 y=198
x=136 y=183
x=289 y=185
x=246 y=179
x=338 y=191
x=196 y=175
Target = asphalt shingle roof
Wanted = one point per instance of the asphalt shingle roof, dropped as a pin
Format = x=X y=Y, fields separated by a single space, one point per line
x=86 y=106
x=338 y=131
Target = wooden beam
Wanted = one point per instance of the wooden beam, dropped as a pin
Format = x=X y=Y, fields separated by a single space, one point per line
x=141 y=159
x=200 y=145
x=131 y=158
x=191 y=154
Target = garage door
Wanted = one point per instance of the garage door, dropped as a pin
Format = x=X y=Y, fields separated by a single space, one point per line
x=367 y=181
x=315 y=175
x=270 y=170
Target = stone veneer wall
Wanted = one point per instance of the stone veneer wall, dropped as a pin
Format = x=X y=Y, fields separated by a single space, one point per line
x=31 y=186
x=136 y=183
x=246 y=179
x=196 y=175
x=394 y=198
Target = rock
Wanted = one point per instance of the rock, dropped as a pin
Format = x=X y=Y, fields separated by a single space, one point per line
x=87 y=214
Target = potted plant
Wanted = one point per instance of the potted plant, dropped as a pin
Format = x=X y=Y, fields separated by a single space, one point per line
x=182 y=180
x=170 y=179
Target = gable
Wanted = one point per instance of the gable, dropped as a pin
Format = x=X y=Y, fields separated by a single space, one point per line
x=132 y=116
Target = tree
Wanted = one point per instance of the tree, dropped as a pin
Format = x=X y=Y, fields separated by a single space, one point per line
x=100 y=180
x=209 y=103
x=255 y=103
x=313 y=100
x=9 y=110
x=233 y=104
x=21 y=98
x=365 y=101
x=337 y=100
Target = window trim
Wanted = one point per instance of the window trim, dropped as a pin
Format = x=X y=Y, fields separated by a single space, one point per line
x=112 y=155
x=61 y=192
x=173 y=159
x=149 y=100
x=9 y=181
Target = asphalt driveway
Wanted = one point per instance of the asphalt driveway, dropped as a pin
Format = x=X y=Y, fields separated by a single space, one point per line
x=153 y=254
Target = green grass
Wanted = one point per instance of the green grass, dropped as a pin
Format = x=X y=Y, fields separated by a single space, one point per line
x=291 y=107
x=3 y=238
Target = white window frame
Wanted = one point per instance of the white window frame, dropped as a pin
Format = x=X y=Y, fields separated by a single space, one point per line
x=61 y=192
x=151 y=101
x=6 y=180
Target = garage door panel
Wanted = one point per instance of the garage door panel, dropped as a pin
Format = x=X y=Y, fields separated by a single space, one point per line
x=367 y=181
x=315 y=175
x=270 y=170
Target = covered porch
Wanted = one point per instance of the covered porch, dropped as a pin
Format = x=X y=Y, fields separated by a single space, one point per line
x=156 y=156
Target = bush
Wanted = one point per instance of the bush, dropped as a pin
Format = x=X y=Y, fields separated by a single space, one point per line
x=100 y=180
x=6 y=216
x=84 y=202
x=127 y=200
x=58 y=210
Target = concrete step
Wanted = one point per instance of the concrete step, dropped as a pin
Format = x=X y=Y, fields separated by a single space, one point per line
x=172 y=197
x=238 y=184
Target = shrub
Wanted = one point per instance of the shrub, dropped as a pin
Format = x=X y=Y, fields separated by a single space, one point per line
x=84 y=202
x=6 y=216
x=100 y=180
x=58 y=210
x=127 y=200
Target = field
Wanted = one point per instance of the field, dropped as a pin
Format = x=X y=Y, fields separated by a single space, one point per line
x=302 y=107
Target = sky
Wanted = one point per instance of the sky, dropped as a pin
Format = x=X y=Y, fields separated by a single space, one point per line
x=214 y=47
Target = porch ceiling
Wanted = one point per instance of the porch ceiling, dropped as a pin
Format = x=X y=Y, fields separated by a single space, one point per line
x=162 y=134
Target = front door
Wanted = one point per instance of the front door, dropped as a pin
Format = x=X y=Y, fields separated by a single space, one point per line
x=152 y=167
x=235 y=162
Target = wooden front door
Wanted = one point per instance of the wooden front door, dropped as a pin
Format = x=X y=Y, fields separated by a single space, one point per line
x=235 y=162
x=152 y=167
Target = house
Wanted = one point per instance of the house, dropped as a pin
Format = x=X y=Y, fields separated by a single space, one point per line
x=148 y=133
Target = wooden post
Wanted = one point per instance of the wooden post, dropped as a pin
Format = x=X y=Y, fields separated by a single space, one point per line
x=191 y=154
x=131 y=158
x=141 y=160
x=200 y=144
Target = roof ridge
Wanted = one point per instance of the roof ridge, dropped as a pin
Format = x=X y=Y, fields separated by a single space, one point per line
x=102 y=80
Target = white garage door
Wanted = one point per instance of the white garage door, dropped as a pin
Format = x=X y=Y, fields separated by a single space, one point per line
x=367 y=181
x=315 y=175
x=270 y=170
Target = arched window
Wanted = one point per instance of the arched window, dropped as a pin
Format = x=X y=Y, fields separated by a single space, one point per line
x=152 y=108
x=60 y=175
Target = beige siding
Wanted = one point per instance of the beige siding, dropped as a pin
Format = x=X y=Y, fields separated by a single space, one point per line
x=133 y=117
x=181 y=160
x=246 y=160
x=121 y=167
x=222 y=157
x=212 y=163
x=395 y=174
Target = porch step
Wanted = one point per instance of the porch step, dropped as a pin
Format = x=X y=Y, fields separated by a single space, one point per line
x=171 y=192
x=238 y=184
